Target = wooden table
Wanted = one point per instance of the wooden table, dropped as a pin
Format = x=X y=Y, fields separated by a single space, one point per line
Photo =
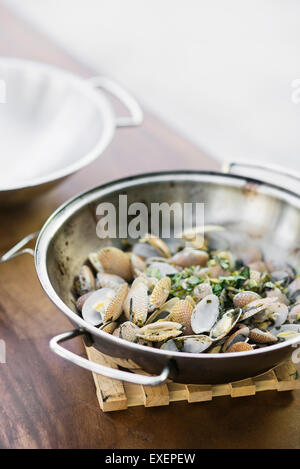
x=48 y=403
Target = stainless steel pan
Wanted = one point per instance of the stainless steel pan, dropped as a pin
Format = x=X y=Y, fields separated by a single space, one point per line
x=52 y=123
x=266 y=211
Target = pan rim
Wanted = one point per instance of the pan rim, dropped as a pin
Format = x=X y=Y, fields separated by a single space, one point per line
x=73 y=204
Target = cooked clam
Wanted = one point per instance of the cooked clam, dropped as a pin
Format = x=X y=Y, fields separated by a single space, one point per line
x=115 y=261
x=256 y=306
x=277 y=293
x=104 y=280
x=163 y=312
x=191 y=300
x=205 y=314
x=144 y=250
x=190 y=256
x=188 y=344
x=202 y=290
x=109 y=327
x=160 y=293
x=136 y=302
x=241 y=335
x=163 y=269
x=114 y=309
x=85 y=282
x=240 y=347
x=128 y=331
x=262 y=337
x=286 y=331
x=157 y=243
x=225 y=324
x=81 y=300
x=278 y=313
x=181 y=313
x=160 y=331
x=94 y=308
x=240 y=300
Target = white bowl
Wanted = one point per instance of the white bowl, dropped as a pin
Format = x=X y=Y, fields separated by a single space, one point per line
x=52 y=123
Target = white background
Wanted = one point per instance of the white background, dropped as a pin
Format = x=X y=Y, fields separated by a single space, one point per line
x=218 y=71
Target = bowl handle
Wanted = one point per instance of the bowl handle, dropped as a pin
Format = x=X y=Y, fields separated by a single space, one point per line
x=136 y=117
x=228 y=167
x=16 y=250
x=101 y=369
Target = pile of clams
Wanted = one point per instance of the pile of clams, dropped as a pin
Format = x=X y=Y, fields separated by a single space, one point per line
x=197 y=298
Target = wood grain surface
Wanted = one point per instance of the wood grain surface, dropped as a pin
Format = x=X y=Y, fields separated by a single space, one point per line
x=48 y=403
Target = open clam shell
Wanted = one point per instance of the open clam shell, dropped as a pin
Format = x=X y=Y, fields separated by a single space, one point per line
x=241 y=335
x=278 y=313
x=163 y=268
x=144 y=250
x=256 y=306
x=163 y=312
x=150 y=282
x=277 y=293
x=202 y=290
x=205 y=314
x=225 y=324
x=160 y=331
x=189 y=344
x=286 y=331
x=113 y=281
x=94 y=308
x=157 y=243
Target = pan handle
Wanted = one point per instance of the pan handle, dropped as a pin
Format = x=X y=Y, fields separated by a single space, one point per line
x=101 y=369
x=16 y=250
x=136 y=117
x=228 y=167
